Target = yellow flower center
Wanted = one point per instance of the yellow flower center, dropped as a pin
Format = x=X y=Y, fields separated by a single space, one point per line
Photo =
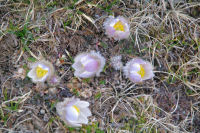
x=119 y=26
x=142 y=71
x=40 y=72
x=76 y=108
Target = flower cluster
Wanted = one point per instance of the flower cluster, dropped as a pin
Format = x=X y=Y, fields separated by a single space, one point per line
x=73 y=111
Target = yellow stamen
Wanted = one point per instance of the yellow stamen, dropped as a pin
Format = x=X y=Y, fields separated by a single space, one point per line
x=119 y=26
x=142 y=71
x=40 y=72
x=76 y=108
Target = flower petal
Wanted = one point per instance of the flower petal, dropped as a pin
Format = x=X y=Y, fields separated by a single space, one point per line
x=135 y=77
x=74 y=124
x=110 y=31
x=122 y=19
x=148 y=67
x=123 y=35
x=86 y=112
x=91 y=64
x=149 y=71
x=82 y=104
x=78 y=66
x=71 y=114
x=82 y=119
x=135 y=67
x=148 y=75
x=85 y=74
x=139 y=61
x=32 y=74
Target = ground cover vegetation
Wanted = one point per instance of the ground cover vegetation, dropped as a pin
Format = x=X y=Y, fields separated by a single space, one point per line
x=163 y=32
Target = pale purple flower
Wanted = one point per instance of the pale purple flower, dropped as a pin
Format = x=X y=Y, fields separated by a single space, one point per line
x=116 y=62
x=138 y=70
x=117 y=28
x=73 y=111
x=88 y=65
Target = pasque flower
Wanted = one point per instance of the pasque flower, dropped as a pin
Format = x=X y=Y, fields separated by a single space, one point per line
x=41 y=71
x=87 y=65
x=117 y=28
x=138 y=70
x=73 y=111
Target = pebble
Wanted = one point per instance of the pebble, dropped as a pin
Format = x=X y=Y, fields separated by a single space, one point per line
x=65 y=93
x=42 y=111
x=37 y=131
x=53 y=90
x=46 y=118
x=29 y=112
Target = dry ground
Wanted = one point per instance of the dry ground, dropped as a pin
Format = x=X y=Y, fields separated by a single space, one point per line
x=166 y=33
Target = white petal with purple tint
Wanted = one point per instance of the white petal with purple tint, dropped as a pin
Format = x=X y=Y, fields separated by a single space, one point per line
x=71 y=114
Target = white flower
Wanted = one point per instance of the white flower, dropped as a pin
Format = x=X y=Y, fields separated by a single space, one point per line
x=116 y=62
x=87 y=65
x=73 y=111
x=41 y=71
x=117 y=28
x=138 y=70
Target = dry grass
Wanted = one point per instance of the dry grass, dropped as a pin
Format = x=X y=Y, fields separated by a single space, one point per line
x=163 y=32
